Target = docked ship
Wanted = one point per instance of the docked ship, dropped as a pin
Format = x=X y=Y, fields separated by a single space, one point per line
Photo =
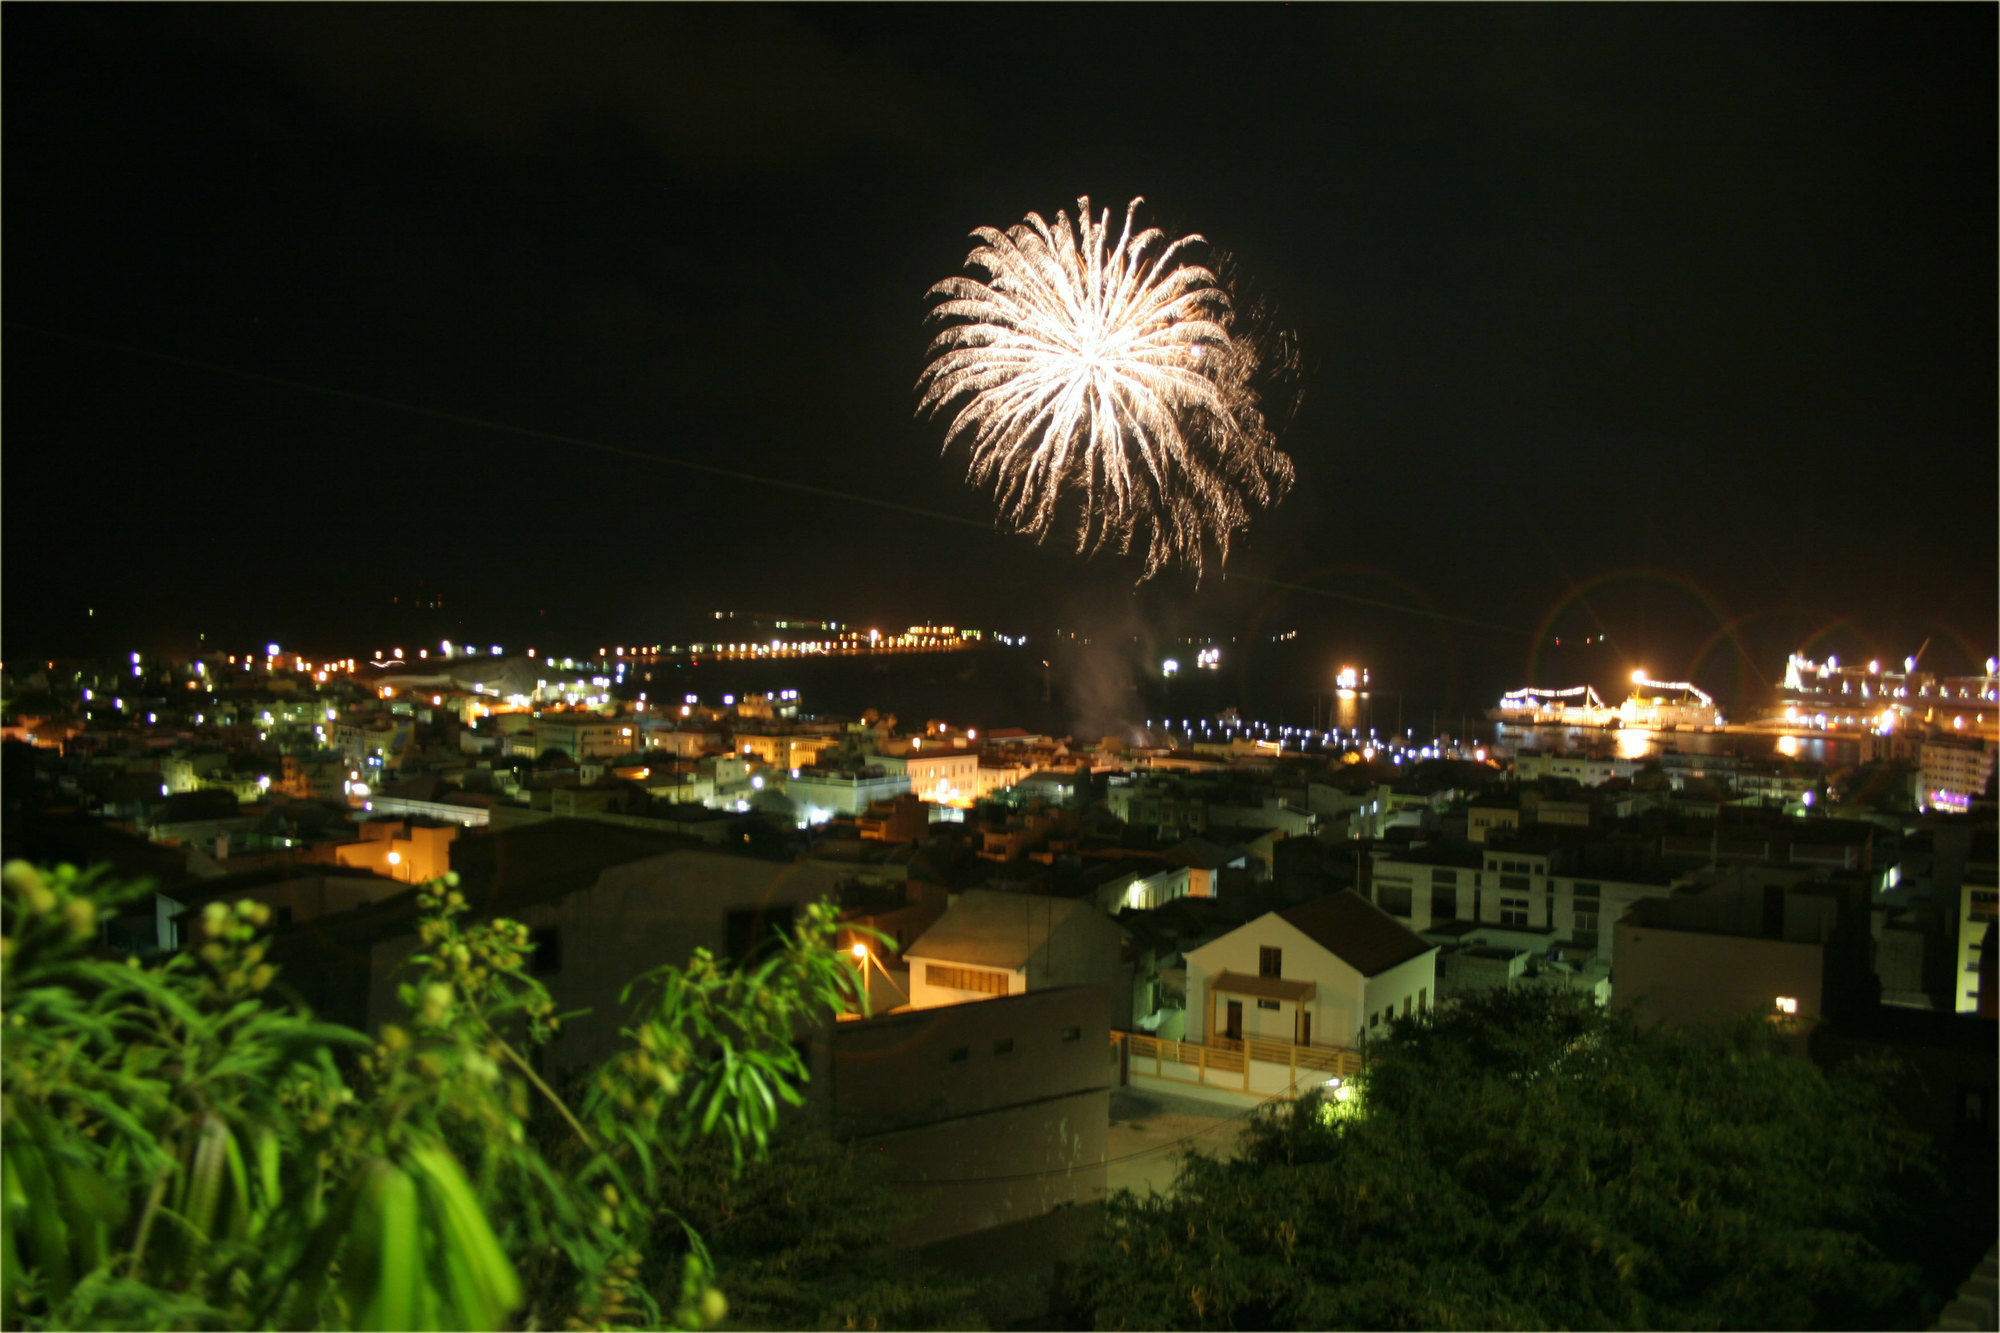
x=1576 y=706
x=1656 y=705
x=1660 y=705
x=1874 y=696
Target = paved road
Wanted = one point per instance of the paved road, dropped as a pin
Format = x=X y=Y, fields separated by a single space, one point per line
x=1151 y=1131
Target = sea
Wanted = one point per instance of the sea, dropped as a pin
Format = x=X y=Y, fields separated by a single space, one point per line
x=1092 y=690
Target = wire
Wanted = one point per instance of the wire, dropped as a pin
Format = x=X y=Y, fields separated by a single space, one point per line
x=644 y=456
x=501 y=427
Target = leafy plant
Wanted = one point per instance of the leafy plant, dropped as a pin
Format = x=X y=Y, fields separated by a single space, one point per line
x=183 y=1151
x=1523 y=1160
x=801 y=1239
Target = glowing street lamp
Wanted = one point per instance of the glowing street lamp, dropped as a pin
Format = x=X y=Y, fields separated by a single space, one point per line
x=863 y=956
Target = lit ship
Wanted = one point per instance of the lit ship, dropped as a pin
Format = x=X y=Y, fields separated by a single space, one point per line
x=1831 y=696
x=1577 y=706
x=1655 y=705
x=1660 y=705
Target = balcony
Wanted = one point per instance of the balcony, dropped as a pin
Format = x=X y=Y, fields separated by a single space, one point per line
x=1252 y=1066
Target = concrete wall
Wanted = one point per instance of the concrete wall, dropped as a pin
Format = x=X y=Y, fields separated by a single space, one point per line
x=998 y=1166
x=635 y=918
x=1693 y=977
x=990 y=1112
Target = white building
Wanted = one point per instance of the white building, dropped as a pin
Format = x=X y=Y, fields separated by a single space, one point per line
x=991 y=943
x=1951 y=772
x=1328 y=972
x=1536 y=900
x=1978 y=909
x=584 y=735
x=1585 y=770
x=946 y=776
x=821 y=793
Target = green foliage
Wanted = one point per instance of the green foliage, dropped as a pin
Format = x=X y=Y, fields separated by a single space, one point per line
x=1525 y=1161
x=800 y=1239
x=183 y=1151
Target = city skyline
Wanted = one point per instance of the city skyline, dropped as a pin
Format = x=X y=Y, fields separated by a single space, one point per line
x=1671 y=325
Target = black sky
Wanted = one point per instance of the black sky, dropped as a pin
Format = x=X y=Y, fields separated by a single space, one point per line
x=1668 y=322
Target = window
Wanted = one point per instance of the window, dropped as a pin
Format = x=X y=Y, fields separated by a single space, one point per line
x=1393 y=898
x=1004 y=1046
x=965 y=978
x=1586 y=924
x=1374 y=1020
x=546 y=951
x=1270 y=962
x=1406 y=1006
x=1514 y=883
x=1514 y=911
x=1444 y=904
x=1423 y=997
x=1975 y=1109
x=1440 y=877
x=1267 y=1004
x=1583 y=890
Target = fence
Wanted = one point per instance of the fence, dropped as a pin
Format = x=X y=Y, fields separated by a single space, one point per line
x=1235 y=1065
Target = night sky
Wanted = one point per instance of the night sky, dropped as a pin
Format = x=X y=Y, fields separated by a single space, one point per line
x=1670 y=323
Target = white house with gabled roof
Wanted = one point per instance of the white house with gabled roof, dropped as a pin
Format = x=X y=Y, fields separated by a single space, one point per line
x=1326 y=973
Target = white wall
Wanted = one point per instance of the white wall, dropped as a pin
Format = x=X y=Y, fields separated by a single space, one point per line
x=1399 y=990
x=1337 y=999
x=1342 y=1000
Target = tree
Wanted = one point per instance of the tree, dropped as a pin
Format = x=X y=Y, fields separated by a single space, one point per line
x=182 y=1150
x=800 y=1239
x=1522 y=1160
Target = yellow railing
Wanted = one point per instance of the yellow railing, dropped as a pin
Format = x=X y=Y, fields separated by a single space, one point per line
x=1225 y=1056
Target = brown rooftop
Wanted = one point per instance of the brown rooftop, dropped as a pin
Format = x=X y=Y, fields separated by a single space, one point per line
x=1364 y=936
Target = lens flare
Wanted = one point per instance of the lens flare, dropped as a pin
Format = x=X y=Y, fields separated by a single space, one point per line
x=1099 y=373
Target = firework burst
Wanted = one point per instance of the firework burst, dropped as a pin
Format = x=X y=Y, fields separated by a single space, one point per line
x=1100 y=380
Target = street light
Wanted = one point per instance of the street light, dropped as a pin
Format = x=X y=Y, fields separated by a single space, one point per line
x=863 y=956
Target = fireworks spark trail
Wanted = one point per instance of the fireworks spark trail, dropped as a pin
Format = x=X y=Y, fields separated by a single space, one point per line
x=1109 y=376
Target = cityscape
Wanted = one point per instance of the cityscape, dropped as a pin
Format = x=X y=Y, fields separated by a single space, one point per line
x=1332 y=740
